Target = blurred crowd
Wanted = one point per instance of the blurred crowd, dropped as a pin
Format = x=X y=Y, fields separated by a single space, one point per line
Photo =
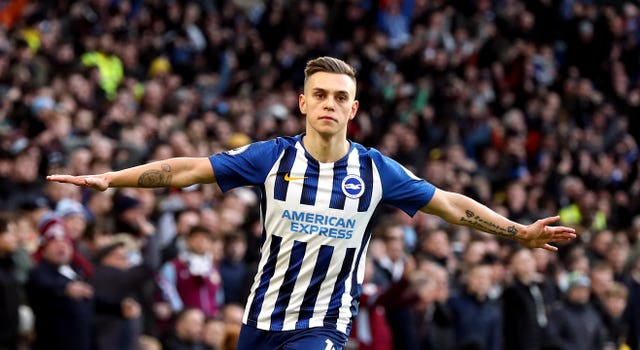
x=530 y=106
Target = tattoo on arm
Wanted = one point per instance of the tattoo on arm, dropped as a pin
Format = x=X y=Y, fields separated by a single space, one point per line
x=156 y=178
x=482 y=224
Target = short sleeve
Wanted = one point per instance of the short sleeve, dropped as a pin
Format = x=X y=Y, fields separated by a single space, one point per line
x=247 y=165
x=400 y=187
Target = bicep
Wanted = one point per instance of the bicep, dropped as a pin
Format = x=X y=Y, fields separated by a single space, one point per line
x=440 y=204
x=203 y=170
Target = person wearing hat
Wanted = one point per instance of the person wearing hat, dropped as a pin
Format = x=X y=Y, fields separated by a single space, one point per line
x=9 y=285
x=61 y=299
x=116 y=282
x=52 y=220
x=574 y=323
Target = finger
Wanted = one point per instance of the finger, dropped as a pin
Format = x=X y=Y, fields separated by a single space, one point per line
x=564 y=234
x=550 y=220
x=561 y=229
x=549 y=247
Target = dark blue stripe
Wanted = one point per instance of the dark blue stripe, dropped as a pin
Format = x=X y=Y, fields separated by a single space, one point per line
x=366 y=173
x=318 y=276
x=286 y=163
x=295 y=263
x=263 y=211
x=333 y=312
x=339 y=173
x=356 y=288
x=310 y=188
x=267 y=272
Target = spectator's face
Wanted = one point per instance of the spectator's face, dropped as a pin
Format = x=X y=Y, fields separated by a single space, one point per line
x=600 y=280
x=58 y=252
x=199 y=243
x=8 y=240
x=615 y=305
x=394 y=239
x=474 y=253
x=117 y=258
x=75 y=226
x=186 y=221
x=213 y=334
x=523 y=264
x=190 y=326
x=236 y=250
x=328 y=103
x=579 y=294
x=232 y=314
x=437 y=244
x=602 y=241
x=479 y=282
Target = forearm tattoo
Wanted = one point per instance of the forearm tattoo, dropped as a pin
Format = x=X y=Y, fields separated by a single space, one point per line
x=479 y=223
x=156 y=178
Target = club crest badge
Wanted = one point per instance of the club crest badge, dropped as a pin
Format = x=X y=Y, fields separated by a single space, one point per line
x=352 y=186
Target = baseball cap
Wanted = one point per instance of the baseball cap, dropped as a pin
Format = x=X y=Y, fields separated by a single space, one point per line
x=577 y=279
x=68 y=207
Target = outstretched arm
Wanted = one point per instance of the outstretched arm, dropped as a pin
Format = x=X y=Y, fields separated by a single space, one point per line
x=172 y=172
x=458 y=209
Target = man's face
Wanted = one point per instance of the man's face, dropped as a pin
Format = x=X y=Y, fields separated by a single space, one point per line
x=9 y=240
x=329 y=103
x=58 y=252
x=199 y=243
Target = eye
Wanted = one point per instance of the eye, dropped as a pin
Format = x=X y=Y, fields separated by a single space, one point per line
x=319 y=95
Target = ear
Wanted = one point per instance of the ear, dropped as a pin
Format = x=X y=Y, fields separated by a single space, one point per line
x=354 y=109
x=302 y=104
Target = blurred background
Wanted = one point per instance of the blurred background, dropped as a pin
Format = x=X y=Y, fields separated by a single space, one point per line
x=530 y=106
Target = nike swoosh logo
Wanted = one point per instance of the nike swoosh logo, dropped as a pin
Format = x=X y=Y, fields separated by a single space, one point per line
x=287 y=178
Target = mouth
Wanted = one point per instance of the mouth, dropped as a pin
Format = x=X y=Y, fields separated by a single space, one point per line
x=327 y=118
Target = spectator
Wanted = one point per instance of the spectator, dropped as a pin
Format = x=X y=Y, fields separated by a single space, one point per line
x=477 y=319
x=575 y=324
x=601 y=276
x=9 y=285
x=234 y=269
x=632 y=311
x=192 y=280
x=371 y=331
x=61 y=299
x=523 y=306
x=186 y=333
x=213 y=334
x=185 y=221
x=615 y=300
x=115 y=281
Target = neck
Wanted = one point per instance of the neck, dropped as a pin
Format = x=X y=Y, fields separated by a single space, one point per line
x=326 y=149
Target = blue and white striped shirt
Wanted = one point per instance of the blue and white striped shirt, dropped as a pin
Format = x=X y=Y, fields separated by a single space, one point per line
x=316 y=227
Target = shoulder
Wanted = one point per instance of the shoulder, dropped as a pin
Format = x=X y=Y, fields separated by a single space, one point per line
x=261 y=147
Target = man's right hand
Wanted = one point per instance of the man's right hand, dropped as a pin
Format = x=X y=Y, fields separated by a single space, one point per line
x=97 y=182
x=78 y=290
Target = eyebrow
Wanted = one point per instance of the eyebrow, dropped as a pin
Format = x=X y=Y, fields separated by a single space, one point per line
x=317 y=89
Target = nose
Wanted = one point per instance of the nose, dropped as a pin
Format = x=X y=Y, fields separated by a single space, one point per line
x=329 y=104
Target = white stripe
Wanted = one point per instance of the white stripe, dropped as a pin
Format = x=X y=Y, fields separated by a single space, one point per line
x=345 y=312
x=353 y=168
x=269 y=187
x=300 y=288
x=326 y=289
x=271 y=295
x=300 y=164
x=256 y=278
x=323 y=194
